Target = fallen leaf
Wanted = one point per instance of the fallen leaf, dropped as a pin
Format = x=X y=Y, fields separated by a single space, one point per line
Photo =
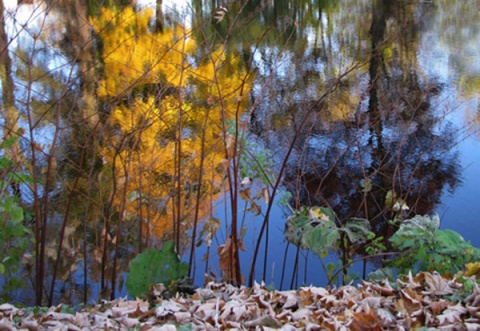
x=437 y=285
x=451 y=315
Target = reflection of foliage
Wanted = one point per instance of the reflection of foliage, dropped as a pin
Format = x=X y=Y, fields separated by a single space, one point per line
x=167 y=131
x=392 y=138
x=134 y=57
x=152 y=267
x=166 y=96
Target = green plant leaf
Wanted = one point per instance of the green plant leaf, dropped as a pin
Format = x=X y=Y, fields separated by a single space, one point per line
x=320 y=238
x=186 y=327
x=294 y=228
x=382 y=274
x=449 y=239
x=9 y=142
x=154 y=266
x=357 y=230
x=16 y=213
x=418 y=228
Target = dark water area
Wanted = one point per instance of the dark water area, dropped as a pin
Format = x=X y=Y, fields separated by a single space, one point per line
x=344 y=102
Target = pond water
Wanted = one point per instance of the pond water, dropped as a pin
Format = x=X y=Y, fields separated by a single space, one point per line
x=128 y=117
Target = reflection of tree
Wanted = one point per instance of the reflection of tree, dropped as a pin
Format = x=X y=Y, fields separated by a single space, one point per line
x=394 y=141
x=459 y=39
x=166 y=123
x=8 y=110
x=45 y=104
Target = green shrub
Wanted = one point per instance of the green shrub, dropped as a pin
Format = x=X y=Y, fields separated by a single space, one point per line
x=424 y=247
x=15 y=236
x=152 y=267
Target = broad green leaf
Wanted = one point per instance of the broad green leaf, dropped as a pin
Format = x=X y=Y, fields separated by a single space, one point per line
x=331 y=267
x=357 y=230
x=154 y=266
x=186 y=327
x=382 y=274
x=449 y=238
x=16 y=213
x=294 y=228
x=9 y=142
x=320 y=239
x=418 y=228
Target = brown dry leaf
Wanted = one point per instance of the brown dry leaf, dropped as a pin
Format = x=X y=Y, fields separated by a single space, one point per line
x=223 y=166
x=472 y=326
x=306 y=297
x=183 y=318
x=329 y=300
x=474 y=298
x=60 y=316
x=302 y=314
x=266 y=322
x=210 y=100
x=254 y=208
x=438 y=306
x=236 y=309
x=128 y=322
x=266 y=195
x=81 y=320
x=245 y=194
x=386 y=317
x=230 y=145
x=27 y=324
x=227 y=263
x=291 y=301
x=410 y=300
x=223 y=306
x=365 y=321
x=206 y=311
x=410 y=282
x=372 y=302
x=452 y=315
x=383 y=288
x=7 y=308
x=168 y=308
x=437 y=285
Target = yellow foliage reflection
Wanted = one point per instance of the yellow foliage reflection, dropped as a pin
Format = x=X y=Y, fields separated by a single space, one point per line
x=158 y=138
x=133 y=56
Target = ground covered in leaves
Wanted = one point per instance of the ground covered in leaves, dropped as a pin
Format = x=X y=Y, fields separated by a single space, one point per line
x=426 y=300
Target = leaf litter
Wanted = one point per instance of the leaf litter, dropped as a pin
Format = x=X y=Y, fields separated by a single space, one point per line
x=426 y=300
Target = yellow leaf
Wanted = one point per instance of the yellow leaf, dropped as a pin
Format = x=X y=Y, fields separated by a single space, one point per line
x=472 y=269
